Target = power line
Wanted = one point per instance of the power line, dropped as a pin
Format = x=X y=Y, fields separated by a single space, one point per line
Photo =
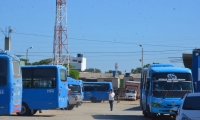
x=39 y=35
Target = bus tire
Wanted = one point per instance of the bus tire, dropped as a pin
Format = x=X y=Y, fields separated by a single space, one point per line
x=34 y=112
x=145 y=114
x=153 y=116
x=25 y=111
x=93 y=100
x=70 y=107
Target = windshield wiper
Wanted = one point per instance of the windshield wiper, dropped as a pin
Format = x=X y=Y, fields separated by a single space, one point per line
x=166 y=94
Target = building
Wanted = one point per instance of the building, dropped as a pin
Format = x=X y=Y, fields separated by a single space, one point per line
x=131 y=77
x=79 y=62
x=101 y=77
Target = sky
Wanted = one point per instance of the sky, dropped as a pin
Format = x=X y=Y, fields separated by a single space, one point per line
x=106 y=31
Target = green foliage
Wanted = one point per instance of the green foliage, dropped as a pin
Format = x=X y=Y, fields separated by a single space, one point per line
x=111 y=71
x=93 y=70
x=147 y=65
x=139 y=69
x=43 y=62
x=70 y=66
x=74 y=74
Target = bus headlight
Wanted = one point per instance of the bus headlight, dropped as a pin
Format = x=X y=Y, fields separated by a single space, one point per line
x=156 y=105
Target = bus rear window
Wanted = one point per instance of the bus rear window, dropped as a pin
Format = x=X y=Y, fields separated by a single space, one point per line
x=3 y=72
x=44 y=77
x=16 y=69
x=63 y=75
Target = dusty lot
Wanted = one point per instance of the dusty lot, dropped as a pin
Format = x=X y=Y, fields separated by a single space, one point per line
x=125 y=110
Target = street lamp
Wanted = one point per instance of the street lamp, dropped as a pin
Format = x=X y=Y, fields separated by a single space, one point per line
x=142 y=60
x=27 y=54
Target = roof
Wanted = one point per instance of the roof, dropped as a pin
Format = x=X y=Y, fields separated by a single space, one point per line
x=89 y=75
x=187 y=60
x=42 y=66
x=171 y=69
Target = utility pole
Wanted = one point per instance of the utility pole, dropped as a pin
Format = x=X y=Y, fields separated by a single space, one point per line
x=142 y=59
x=7 y=44
x=60 y=43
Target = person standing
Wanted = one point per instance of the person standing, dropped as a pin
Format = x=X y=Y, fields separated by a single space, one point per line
x=117 y=96
x=111 y=99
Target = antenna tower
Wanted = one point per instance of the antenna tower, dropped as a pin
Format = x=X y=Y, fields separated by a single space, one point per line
x=60 y=43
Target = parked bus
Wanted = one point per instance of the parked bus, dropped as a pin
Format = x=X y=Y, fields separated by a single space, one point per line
x=74 y=93
x=10 y=83
x=82 y=89
x=96 y=91
x=162 y=88
x=44 y=87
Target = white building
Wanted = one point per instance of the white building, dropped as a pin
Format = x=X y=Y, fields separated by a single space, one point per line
x=79 y=62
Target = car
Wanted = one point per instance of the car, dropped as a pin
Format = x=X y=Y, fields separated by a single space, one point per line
x=189 y=109
x=131 y=94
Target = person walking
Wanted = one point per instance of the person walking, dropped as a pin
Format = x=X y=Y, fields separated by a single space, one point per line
x=111 y=99
x=117 y=96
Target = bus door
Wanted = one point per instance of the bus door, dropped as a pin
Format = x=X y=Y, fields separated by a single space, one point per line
x=5 y=95
x=16 y=87
x=62 y=89
x=145 y=91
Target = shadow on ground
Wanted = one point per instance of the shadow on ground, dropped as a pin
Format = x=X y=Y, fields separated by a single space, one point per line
x=137 y=108
x=129 y=117
x=117 y=117
x=31 y=116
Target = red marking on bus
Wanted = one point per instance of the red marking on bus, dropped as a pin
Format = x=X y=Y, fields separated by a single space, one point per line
x=16 y=106
x=16 y=111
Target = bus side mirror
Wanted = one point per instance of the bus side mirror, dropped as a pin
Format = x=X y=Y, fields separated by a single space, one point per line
x=195 y=85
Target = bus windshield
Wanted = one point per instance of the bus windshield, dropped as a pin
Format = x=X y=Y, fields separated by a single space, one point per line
x=75 y=88
x=171 y=84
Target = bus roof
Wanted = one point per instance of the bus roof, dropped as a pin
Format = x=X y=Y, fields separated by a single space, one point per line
x=171 y=69
x=10 y=54
x=97 y=82
x=161 y=65
x=42 y=66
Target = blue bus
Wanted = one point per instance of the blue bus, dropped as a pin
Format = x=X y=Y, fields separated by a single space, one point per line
x=10 y=83
x=74 y=93
x=162 y=88
x=96 y=91
x=44 y=87
x=82 y=90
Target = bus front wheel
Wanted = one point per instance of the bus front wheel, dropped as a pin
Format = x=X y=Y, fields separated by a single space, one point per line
x=93 y=100
x=25 y=111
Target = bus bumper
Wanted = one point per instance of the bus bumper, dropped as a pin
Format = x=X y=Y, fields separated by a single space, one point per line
x=161 y=110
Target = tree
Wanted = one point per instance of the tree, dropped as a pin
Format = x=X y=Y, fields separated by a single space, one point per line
x=139 y=69
x=93 y=70
x=43 y=62
x=74 y=74
x=111 y=71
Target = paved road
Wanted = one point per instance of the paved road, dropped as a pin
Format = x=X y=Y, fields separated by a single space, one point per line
x=125 y=110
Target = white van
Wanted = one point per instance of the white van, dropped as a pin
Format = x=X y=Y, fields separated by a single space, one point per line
x=131 y=94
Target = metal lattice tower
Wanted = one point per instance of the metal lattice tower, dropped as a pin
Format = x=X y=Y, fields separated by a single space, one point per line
x=60 y=43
